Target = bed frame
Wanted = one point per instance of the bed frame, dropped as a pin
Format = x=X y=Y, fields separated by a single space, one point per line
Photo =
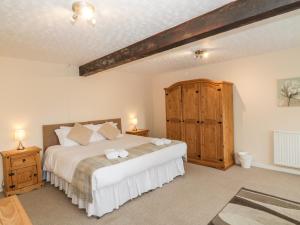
x=50 y=138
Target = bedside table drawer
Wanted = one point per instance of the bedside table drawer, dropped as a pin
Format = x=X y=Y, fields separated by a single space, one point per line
x=22 y=161
x=24 y=177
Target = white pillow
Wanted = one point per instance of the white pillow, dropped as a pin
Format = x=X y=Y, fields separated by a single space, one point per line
x=62 y=134
x=95 y=136
x=114 y=124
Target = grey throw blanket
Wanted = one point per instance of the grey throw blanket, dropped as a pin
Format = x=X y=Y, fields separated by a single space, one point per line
x=82 y=177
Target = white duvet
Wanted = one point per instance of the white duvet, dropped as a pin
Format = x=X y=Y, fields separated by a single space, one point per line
x=62 y=161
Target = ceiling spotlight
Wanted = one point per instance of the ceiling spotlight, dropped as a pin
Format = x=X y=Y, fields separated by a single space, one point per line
x=201 y=54
x=83 y=10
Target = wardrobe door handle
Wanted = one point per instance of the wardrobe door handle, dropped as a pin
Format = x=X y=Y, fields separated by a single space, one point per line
x=198 y=121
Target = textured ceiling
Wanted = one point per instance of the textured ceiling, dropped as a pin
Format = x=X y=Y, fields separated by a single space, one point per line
x=274 y=34
x=41 y=30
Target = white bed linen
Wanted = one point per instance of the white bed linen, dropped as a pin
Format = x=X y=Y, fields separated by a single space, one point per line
x=114 y=185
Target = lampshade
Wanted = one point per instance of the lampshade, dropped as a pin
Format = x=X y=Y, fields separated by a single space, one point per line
x=20 y=134
x=134 y=121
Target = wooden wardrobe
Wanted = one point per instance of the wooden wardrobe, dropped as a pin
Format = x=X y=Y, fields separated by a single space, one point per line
x=200 y=113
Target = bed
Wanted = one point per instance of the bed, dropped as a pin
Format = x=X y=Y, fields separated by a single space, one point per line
x=113 y=185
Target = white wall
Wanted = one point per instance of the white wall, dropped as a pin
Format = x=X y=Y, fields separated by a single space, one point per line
x=256 y=113
x=35 y=93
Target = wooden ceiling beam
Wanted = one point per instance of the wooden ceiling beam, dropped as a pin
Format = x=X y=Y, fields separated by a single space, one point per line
x=233 y=15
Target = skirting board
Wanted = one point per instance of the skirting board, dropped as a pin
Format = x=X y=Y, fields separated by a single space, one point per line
x=276 y=168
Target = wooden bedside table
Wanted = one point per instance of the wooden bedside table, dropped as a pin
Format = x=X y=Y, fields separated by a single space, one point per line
x=22 y=170
x=139 y=132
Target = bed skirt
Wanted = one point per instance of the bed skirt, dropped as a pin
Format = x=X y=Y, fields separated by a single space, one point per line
x=111 y=197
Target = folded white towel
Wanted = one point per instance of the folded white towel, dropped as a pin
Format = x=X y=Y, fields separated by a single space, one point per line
x=157 y=141
x=166 y=141
x=111 y=154
x=123 y=153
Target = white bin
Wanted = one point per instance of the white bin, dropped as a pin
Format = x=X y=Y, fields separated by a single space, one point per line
x=245 y=159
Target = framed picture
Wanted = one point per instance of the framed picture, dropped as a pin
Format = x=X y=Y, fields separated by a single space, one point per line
x=288 y=92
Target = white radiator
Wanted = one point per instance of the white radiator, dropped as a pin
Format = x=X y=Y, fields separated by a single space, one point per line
x=287 y=148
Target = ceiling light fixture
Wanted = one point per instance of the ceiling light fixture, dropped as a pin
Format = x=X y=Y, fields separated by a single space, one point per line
x=201 y=54
x=84 y=10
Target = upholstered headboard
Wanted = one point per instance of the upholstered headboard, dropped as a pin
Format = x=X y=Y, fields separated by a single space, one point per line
x=50 y=138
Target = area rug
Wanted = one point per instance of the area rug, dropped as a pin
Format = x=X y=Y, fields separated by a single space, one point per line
x=249 y=207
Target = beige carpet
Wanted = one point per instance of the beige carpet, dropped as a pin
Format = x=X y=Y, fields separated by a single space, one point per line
x=190 y=200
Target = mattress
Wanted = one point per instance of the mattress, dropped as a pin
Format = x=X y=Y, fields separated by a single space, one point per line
x=130 y=178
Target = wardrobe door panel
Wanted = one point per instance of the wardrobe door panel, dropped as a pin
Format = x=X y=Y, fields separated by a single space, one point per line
x=174 y=130
x=173 y=103
x=190 y=102
x=210 y=102
x=211 y=142
x=191 y=137
x=173 y=113
x=211 y=133
x=190 y=119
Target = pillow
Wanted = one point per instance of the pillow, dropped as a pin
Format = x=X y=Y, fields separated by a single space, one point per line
x=80 y=134
x=62 y=134
x=109 y=131
x=95 y=136
x=114 y=124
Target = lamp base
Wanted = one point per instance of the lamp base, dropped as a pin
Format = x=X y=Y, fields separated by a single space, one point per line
x=20 y=146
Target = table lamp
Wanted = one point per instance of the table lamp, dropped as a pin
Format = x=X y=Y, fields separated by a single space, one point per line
x=19 y=136
x=134 y=121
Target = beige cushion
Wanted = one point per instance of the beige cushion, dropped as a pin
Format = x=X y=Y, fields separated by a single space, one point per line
x=80 y=134
x=109 y=131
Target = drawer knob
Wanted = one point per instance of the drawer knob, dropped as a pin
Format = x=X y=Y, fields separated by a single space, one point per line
x=24 y=160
